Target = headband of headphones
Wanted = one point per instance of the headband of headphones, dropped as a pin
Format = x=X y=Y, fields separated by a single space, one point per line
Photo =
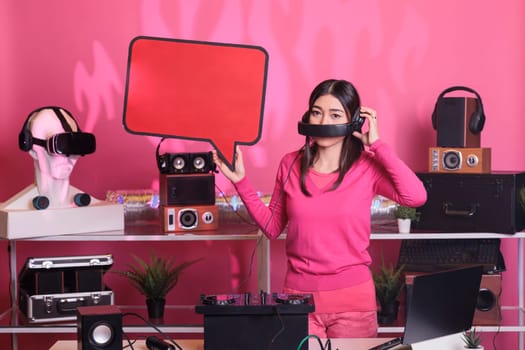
x=477 y=120
x=330 y=130
x=67 y=143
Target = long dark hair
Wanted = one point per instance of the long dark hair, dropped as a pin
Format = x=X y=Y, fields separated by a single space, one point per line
x=347 y=94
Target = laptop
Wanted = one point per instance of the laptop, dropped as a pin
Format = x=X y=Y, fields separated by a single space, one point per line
x=439 y=304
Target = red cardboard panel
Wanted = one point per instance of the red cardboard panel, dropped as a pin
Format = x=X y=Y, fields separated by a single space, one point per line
x=196 y=90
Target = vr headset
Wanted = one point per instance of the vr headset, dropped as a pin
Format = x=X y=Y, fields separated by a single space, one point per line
x=67 y=143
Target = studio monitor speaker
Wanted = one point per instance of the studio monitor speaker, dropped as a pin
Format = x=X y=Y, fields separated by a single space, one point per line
x=99 y=327
x=453 y=117
x=187 y=189
x=488 y=311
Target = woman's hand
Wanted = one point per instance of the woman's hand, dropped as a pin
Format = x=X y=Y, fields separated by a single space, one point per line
x=238 y=173
x=372 y=135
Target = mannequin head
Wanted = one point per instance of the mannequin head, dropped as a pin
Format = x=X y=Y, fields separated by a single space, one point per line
x=43 y=125
x=53 y=139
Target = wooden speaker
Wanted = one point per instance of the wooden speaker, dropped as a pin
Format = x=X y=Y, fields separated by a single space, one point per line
x=453 y=119
x=459 y=160
x=488 y=310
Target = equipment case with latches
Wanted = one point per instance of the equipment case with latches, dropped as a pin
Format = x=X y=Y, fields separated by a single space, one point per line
x=51 y=288
x=459 y=202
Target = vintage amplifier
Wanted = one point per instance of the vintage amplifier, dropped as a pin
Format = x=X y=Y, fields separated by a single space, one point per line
x=51 y=288
x=493 y=202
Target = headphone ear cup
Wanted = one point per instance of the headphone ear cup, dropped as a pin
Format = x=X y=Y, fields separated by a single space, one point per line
x=25 y=139
x=477 y=120
x=434 y=118
x=357 y=120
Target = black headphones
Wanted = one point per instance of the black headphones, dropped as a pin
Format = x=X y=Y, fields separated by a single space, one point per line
x=331 y=130
x=477 y=119
x=25 y=138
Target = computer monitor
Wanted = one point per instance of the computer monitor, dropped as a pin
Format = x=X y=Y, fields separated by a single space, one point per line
x=439 y=304
x=442 y=303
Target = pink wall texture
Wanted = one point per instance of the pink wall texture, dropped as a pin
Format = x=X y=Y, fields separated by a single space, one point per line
x=399 y=54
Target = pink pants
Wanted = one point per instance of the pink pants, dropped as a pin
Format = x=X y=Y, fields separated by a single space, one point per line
x=354 y=324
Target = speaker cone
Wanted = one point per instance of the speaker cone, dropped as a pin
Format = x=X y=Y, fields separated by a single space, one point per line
x=188 y=218
x=101 y=334
x=178 y=163
x=486 y=300
x=452 y=160
x=199 y=163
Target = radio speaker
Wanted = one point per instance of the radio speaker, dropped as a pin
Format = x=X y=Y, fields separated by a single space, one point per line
x=453 y=119
x=99 y=327
x=459 y=160
x=194 y=218
x=187 y=189
x=488 y=311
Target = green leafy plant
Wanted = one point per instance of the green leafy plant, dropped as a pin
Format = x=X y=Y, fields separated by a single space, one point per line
x=389 y=282
x=471 y=338
x=157 y=277
x=403 y=212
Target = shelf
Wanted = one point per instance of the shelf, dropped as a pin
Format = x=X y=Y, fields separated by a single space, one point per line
x=152 y=232
x=178 y=319
x=443 y=235
x=182 y=319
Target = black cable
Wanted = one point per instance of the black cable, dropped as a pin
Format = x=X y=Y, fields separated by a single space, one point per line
x=326 y=346
x=154 y=327
x=280 y=331
x=130 y=342
x=245 y=220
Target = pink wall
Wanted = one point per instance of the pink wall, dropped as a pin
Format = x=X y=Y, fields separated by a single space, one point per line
x=400 y=55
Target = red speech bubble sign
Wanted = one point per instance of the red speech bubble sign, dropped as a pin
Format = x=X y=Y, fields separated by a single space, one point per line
x=196 y=90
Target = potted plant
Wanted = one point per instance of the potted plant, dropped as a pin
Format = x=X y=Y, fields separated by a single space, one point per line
x=155 y=279
x=389 y=282
x=472 y=339
x=404 y=216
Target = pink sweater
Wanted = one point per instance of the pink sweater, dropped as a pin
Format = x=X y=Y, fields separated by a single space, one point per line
x=328 y=234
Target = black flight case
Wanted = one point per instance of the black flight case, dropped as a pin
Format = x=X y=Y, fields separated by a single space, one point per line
x=51 y=288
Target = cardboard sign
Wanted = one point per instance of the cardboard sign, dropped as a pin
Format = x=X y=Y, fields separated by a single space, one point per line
x=196 y=90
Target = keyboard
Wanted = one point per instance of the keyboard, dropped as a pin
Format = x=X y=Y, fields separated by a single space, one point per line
x=429 y=255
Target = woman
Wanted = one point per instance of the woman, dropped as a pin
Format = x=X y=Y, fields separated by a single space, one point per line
x=323 y=195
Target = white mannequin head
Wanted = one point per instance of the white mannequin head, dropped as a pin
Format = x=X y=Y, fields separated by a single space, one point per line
x=52 y=170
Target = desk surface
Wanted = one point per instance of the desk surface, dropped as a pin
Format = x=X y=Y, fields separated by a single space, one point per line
x=449 y=342
x=197 y=344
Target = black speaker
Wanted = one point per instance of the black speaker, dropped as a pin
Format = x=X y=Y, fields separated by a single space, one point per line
x=99 y=327
x=458 y=120
x=187 y=189
x=186 y=163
